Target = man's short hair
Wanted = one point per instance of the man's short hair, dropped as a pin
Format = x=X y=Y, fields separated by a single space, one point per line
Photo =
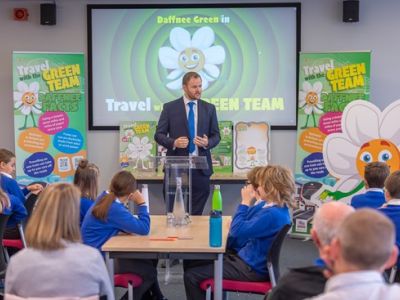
x=189 y=75
x=392 y=185
x=367 y=238
x=376 y=174
x=328 y=218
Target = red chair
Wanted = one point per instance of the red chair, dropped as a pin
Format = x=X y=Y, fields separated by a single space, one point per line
x=21 y=243
x=252 y=286
x=128 y=281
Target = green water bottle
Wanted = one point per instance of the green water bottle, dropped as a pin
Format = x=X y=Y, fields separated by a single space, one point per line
x=216 y=204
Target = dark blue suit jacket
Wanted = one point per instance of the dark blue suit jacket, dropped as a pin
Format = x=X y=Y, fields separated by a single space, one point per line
x=372 y=199
x=173 y=123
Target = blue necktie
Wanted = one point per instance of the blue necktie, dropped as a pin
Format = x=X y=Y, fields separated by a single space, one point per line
x=191 y=127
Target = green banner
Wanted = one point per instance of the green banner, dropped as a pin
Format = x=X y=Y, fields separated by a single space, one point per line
x=49 y=115
x=221 y=155
x=328 y=83
x=137 y=147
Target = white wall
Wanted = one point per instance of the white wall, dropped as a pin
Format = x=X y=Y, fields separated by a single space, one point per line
x=322 y=30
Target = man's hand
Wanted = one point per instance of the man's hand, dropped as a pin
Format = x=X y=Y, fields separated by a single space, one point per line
x=201 y=141
x=181 y=142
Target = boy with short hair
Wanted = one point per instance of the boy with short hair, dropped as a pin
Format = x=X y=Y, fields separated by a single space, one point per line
x=374 y=178
x=392 y=207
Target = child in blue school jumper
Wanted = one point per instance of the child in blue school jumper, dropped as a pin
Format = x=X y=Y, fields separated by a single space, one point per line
x=8 y=183
x=251 y=233
x=392 y=208
x=109 y=216
x=16 y=195
x=86 y=178
x=375 y=174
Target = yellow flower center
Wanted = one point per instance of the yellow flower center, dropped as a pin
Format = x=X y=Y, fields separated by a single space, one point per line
x=28 y=99
x=312 y=98
x=191 y=59
x=378 y=150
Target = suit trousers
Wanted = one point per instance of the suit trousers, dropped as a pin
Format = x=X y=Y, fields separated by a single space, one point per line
x=200 y=192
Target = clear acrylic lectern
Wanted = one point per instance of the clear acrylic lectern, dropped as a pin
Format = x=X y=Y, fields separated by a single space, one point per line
x=178 y=169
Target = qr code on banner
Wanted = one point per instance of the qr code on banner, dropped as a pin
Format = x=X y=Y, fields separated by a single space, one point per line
x=64 y=164
x=301 y=225
x=76 y=160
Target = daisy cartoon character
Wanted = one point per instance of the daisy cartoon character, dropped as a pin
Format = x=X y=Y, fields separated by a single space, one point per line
x=139 y=149
x=26 y=100
x=368 y=135
x=191 y=54
x=310 y=101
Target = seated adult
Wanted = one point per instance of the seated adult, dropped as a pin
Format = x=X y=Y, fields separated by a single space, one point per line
x=301 y=283
x=252 y=232
x=56 y=263
x=363 y=249
x=375 y=174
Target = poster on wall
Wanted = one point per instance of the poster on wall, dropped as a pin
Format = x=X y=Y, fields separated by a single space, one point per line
x=329 y=83
x=251 y=146
x=49 y=115
x=221 y=155
x=137 y=147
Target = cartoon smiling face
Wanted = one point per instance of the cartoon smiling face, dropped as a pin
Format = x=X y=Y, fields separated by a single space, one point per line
x=29 y=98
x=191 y=59
x=311 y=98
x=378 y=150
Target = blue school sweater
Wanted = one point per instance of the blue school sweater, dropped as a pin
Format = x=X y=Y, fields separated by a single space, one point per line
x=236 y=243
x=96 y=232
x=16 y=211
x=85 y=204
x=392 y=211
x=259 y=230
x=11 y=187
x=373 y=198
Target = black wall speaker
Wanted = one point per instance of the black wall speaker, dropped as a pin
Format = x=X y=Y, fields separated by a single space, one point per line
x=48 y=14
x=350 y=10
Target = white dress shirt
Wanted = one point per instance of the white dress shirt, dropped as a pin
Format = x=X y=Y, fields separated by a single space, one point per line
x=361 y=285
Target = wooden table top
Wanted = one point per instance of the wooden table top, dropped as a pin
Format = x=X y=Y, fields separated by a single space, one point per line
x=192 y=238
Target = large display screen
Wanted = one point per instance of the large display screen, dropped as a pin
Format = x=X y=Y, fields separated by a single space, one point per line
x=246 y=54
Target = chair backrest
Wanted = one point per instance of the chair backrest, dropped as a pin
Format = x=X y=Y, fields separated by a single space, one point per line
x=3 y=263
x=274 y=253
x=30 y=203
x=14 y=297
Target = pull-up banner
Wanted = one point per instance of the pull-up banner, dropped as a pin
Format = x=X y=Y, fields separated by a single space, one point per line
x=328 y=83
x=49 y=115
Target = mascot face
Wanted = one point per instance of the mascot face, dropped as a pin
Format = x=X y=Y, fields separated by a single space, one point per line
x=378 y=150
x=191 y=59
x=29 y=99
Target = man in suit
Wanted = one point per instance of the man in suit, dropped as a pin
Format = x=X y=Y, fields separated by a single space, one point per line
x=189 y=126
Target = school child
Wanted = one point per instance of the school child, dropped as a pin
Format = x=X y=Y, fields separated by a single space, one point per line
x=246 y=259
x=17 y=195
x=56 y=263
x=86 y=178
x=109 y=216
x=374 y=179
x=392 y=208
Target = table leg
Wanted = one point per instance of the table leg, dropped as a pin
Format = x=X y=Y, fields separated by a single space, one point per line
x=110 y=267
x=218 y=268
